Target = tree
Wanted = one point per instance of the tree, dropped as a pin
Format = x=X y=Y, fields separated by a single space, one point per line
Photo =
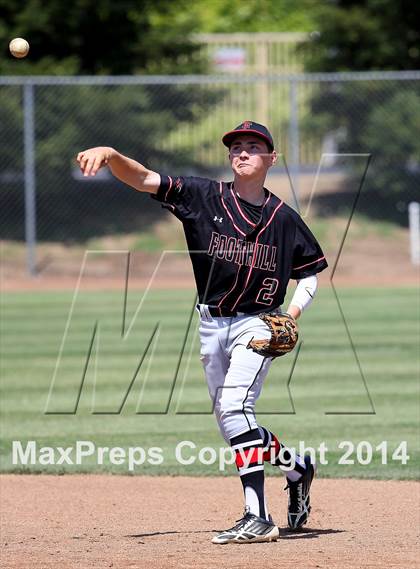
x=94 y=37
x=100 y=36
x=230 y=16
x=377 y=117
x=365 y=35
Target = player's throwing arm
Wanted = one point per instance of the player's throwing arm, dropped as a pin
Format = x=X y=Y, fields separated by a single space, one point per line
x=125 y=169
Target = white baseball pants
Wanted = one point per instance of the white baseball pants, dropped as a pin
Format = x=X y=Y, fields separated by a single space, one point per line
x=234 y=374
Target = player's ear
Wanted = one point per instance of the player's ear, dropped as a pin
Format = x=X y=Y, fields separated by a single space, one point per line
x=273 y=158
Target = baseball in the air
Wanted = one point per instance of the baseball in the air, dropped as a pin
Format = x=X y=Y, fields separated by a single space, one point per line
x=19 y=48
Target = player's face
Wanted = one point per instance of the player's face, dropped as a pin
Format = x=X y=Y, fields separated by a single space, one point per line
x=250 y=157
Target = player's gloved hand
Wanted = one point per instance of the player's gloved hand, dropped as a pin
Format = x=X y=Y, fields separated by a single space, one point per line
x=284 y=335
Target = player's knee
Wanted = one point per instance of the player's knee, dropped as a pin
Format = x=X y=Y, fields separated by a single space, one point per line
x=234 y=419
x=229 y=407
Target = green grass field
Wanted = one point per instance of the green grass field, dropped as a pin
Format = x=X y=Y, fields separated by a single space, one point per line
x=325 y=402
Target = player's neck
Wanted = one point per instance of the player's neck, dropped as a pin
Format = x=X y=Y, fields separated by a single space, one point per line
x=251 y=191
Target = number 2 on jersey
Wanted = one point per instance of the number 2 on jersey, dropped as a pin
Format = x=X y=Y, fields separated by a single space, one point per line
x=267 y=291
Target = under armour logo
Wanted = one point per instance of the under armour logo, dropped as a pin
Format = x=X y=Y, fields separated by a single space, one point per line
x=219 y=219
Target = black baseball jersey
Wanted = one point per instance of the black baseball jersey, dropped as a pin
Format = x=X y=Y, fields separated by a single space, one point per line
x=242 y=256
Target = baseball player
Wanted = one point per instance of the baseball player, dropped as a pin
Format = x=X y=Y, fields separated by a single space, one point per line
x=246 y=245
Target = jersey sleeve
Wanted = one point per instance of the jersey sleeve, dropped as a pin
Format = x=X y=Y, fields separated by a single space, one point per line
x=308 y=258
x=183 y=196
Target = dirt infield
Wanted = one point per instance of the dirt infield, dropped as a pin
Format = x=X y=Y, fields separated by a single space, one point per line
x=163 y=522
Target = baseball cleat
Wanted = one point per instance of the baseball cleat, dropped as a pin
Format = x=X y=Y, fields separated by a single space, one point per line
x=299 y=506
x=250 y=529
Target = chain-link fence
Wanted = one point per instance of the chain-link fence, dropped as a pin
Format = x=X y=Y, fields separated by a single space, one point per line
x=174 y=125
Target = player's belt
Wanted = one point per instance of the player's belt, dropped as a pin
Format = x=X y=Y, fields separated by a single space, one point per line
x=225 y=312
x=218 y=311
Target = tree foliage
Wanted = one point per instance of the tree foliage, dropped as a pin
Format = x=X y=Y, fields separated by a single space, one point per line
x=380 y=117
x=94 y=37
x=366 y=35
x=230 y=16
x=100 y=37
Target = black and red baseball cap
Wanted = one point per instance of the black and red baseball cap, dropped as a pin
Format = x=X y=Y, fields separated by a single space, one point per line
x=249 y=127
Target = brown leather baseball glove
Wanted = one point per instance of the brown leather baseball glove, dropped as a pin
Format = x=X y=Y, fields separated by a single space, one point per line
x=284 y=335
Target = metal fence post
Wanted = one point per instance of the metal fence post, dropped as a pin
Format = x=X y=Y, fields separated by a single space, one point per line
x=262 y=110
x=414 y=228
x=293 y=158
x=30 y=186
